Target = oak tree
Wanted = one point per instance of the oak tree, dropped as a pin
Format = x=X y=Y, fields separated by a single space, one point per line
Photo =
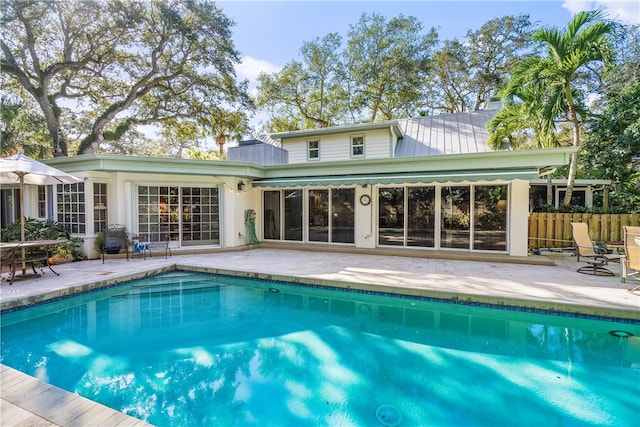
x=121 y=63
x=307 y=91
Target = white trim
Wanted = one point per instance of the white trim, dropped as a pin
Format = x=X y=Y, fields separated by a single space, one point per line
x=309 y=150
x=351 y=146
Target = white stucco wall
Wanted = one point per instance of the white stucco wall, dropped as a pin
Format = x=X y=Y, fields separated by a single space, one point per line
x=123 y=207
x=122 y=197
x=365 y=219
x=234 y=203
x=519 y=218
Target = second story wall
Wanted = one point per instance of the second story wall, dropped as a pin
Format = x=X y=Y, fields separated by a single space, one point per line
x=379 y=143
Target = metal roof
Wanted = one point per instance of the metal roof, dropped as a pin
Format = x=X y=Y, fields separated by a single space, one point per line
x=143 y=164
x=457 y=133
x=490 y=166
x=358 y=127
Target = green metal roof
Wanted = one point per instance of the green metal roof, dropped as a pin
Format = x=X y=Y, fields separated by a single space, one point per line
x=493 y=161
x=523 y=164
x=167 y=165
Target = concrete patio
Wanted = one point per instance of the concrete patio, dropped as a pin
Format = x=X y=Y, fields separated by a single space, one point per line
x=546 y=282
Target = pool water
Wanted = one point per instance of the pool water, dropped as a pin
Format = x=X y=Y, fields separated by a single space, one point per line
x=194 y=349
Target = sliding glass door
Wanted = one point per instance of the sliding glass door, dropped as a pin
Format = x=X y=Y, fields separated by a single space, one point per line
x=469 y=217
x=328 y=215
x=490 y=218
x=455 y=214
x=391 y=216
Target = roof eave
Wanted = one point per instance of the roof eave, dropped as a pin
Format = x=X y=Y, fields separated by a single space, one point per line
x=165 y=165
x=359 y=127
x=496 y=160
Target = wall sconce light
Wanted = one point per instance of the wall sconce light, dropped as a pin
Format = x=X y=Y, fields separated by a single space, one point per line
x=241 y=186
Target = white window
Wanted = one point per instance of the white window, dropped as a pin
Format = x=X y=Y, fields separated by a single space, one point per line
x=313 y=149
x=357 y=146
x=71 y=208
x=186 y=214
x=42 y=201
x=100 y=216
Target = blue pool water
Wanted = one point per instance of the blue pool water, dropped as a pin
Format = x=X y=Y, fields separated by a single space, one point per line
x=188 y=349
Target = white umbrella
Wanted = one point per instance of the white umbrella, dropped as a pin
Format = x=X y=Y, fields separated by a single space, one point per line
x=20 y=169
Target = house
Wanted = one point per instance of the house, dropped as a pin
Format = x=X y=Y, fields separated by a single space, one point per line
x=425 y=183
x=586 y=192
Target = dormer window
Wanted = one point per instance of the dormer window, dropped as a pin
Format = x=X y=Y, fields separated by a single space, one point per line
x=313 y=149
x=357 y=146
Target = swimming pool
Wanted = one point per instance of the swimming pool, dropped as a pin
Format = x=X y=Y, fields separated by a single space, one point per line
x=197 y=349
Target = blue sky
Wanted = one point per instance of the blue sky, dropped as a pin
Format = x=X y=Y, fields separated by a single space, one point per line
x=269 y=34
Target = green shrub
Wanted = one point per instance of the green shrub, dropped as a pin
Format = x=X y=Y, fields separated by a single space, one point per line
x=45 y=230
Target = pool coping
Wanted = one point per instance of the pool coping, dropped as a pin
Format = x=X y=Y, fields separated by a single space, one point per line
x=464 y=298
x=28 y=401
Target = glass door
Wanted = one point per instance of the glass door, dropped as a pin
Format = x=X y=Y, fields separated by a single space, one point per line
x=391 y=216
x=456 y=217
x=199 y=216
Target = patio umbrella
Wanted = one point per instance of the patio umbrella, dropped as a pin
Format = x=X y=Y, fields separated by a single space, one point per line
x=20 y=169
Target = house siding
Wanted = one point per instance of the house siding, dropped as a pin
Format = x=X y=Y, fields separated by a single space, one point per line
x=378 y=144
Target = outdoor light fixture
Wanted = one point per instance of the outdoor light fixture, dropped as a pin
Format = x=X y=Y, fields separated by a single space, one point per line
x=241 y=186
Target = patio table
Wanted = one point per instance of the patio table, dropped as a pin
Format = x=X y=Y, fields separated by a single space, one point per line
x=29 y=252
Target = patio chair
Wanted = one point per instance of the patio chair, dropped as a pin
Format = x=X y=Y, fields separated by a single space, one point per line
x=115 y=239
x=631 y=259
x=593 y=255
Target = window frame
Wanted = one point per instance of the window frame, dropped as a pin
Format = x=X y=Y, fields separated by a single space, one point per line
x=100 y=206
x=337 y=212
x=42 y=201
x=360 y=145
x=480 y=199
x=315 y=150
x=189 y=215
x=71 y=207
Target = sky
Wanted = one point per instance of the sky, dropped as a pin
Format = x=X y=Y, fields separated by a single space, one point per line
x=269 y=34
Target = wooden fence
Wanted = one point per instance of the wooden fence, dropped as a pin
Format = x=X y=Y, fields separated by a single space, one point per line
x=553 y=230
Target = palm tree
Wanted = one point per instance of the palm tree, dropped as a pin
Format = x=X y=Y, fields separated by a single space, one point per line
x=223 y=125
x=522 y=114
x=585 y=40
x=521 y=123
